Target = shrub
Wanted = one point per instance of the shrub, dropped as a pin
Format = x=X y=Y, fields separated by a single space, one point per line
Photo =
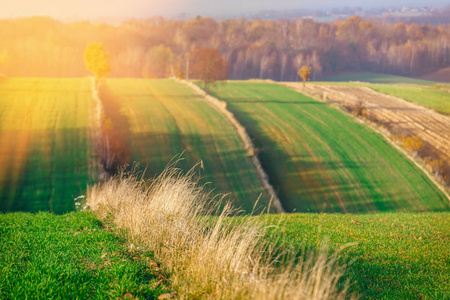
x=412 y=143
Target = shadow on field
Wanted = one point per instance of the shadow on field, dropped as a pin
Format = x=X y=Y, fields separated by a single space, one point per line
x=48 y=173
x=114 y=146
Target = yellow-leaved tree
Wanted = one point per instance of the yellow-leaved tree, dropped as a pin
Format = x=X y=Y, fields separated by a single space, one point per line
x=97 y=60
x=304 y=72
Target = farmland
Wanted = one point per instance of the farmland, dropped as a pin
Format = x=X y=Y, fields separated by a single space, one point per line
x=366 y=77
x=164 y=118
x=320 y=159
x=423 y=92
x=396 y=255
x=402 y=117
x=435 y=97
x=45 y=150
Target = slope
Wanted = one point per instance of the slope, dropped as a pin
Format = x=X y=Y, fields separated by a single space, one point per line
x=320 y=159
x=165 y=119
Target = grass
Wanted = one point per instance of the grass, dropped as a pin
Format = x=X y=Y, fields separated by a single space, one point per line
x=165 y=118
x=211 y=258
x=46 y=155
x=397 y=255
x=378 y=78
x=321 y=160
x=71 y=256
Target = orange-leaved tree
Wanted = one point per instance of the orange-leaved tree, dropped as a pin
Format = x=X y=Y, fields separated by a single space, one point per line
x=97 y=60
x=304 y=72
x=209 y=66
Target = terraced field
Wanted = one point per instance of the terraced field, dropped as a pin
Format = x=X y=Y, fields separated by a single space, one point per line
x=164 y=118
x=45 y=152
x=320 y=159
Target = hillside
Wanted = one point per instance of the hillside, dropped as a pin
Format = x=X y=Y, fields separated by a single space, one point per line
x=377 y=78
x=320 y=159
x=47 y=154
x=441 y=75
x=163 y=119
x=395 y=111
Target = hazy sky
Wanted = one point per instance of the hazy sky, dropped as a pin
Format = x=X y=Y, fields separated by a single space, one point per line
x=84 y=9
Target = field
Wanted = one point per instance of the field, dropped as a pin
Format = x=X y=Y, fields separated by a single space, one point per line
x=423 y=92
x=164 y=118
x=377 y=78
x=402 y=117
x=431 y=97
x=320 y=160
x=46 y=256
x=45 y=149
x=397 y=255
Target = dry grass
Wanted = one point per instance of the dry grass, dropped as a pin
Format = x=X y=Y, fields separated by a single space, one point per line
x=210 y=257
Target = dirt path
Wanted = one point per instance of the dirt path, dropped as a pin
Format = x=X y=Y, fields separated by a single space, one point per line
x=400 y=115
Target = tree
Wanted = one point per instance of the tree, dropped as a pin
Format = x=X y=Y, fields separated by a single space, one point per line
x=209 y=66
x=97 y=60
x=304 y=72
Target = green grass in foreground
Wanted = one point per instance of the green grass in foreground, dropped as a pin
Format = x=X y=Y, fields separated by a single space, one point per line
x=377 y=78
x=320 y=160
x=45 y=256
x=397 y=256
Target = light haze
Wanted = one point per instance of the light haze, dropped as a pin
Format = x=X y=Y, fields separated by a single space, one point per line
x=88 y=9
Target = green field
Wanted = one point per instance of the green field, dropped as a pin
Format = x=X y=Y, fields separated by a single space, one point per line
x=397 y=255
x=45 y=152
x=71 y=256
x=320 y=159
x=164 y=119
x=377 y=78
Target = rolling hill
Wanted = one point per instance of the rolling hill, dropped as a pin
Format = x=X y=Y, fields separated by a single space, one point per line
x=321 y=160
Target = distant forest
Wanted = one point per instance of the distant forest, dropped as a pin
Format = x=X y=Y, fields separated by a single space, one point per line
x=272 y=49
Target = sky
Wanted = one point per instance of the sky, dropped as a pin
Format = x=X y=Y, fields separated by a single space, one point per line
x=91 y=9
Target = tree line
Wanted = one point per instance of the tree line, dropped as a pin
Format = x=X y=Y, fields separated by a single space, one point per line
x=272 y=49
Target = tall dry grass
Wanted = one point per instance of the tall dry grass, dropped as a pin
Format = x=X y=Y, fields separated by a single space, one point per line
x=209 y=255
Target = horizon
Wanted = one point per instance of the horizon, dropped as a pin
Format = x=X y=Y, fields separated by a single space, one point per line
x=66 y=10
